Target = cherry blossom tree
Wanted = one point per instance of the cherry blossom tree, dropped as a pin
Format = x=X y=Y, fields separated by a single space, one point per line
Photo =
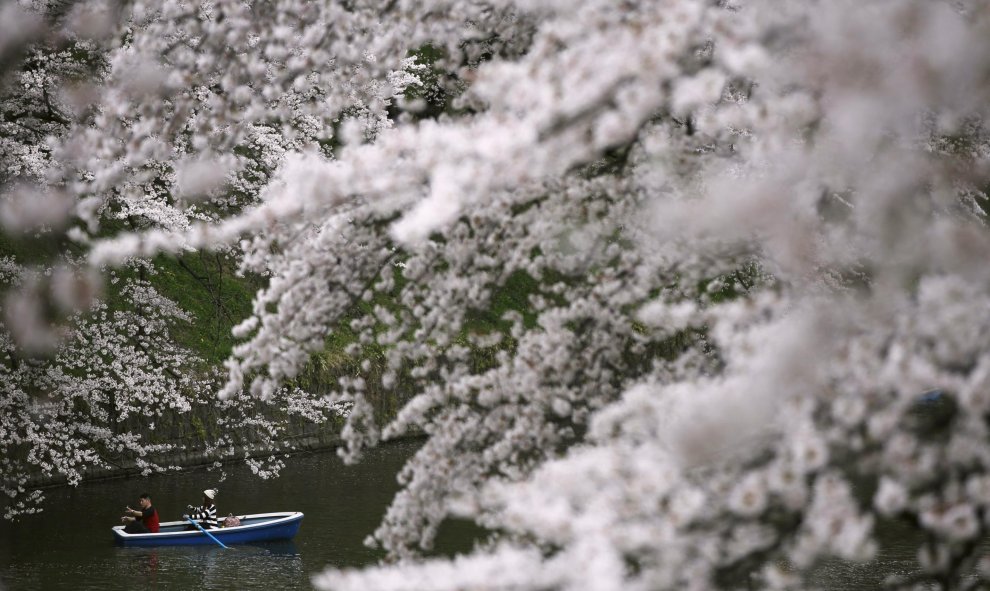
x=62 y=414
x=109 y=376
x=748 y=240
x=83 y=369
x=826 y=145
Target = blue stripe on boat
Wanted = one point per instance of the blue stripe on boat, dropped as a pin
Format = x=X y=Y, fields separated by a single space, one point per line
x=260 y=527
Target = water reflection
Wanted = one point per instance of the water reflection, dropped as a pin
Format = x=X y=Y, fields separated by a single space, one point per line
x=207 y=567
x=280 y=548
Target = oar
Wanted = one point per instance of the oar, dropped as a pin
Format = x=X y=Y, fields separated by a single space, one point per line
x=208 y=534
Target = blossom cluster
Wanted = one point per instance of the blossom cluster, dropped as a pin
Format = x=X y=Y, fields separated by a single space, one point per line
x=686 y=294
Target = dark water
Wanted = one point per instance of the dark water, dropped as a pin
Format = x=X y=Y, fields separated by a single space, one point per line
x=69 y=545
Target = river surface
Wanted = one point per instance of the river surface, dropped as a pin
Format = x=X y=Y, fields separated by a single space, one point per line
x=69 y=545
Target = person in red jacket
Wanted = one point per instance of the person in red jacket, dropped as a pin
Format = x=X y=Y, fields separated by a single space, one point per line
x=143 y=520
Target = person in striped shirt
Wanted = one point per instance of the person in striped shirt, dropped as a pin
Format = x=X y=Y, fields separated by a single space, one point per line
x=206 y=515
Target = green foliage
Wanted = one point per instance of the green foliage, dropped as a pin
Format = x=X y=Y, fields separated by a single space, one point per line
x=199 y=427
x=431 y=89
x=35 y=249
x=204 y=285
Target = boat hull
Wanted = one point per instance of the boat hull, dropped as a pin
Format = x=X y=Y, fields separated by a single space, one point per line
x=260 y=527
